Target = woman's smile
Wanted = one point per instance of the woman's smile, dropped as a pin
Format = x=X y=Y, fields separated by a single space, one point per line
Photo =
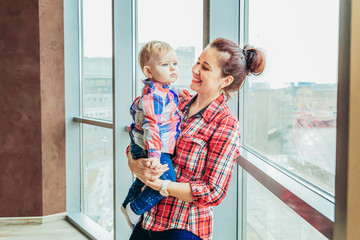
x=196 y=80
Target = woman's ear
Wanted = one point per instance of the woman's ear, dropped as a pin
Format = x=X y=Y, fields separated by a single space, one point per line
x=147 y=72
x=227 y=81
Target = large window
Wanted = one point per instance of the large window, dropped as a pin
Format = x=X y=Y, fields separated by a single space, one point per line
x=290 y=111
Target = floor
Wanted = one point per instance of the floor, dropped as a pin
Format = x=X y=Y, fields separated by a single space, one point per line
x=59 y=230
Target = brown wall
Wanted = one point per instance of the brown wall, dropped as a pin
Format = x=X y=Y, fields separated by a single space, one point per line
x=32 y=129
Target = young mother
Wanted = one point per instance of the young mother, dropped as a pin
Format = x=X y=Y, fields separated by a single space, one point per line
x=206 y=149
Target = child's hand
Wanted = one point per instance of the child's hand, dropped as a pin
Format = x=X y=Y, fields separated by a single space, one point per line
x=184 y=93
x=154 y=163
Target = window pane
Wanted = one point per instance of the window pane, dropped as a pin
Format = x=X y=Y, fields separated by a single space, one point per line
x=290 y=111
x=268 y=218
x=98 y=175
x=97 y=59
x=179 y=25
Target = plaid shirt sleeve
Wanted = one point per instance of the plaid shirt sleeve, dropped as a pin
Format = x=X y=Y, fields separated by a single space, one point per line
x=152 y=105
x=224 y=148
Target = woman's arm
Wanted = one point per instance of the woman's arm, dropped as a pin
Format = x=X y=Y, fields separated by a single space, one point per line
x=223 y=149
x=178 y=190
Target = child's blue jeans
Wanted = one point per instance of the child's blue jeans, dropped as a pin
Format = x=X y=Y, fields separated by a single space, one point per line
x=141 y=202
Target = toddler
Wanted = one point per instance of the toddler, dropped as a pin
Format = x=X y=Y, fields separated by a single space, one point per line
x=155 y=126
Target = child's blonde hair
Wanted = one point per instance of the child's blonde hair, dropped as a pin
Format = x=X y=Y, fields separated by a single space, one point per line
x=152 y=48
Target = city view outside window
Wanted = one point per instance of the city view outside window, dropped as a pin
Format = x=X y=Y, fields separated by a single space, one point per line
x=290 y=110
x=176 y=23
x=98 y=175
x=96 y=95
x=97 y=59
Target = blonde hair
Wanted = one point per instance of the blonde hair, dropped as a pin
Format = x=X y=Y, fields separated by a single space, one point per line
x=152 y=48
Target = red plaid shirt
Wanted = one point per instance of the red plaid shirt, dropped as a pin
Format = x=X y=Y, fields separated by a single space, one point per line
x=205 y=156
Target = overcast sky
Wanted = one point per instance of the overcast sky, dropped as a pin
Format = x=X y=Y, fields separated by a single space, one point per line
x=300 y=38
x=178 y=22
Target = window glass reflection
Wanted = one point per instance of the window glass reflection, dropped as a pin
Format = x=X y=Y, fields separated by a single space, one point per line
x=98 y=175
x=268 y=218
x=290 y=112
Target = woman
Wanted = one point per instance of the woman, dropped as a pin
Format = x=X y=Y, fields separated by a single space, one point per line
x=206 y=149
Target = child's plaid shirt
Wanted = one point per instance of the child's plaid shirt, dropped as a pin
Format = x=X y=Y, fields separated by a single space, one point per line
x=156 y=119
x=205 y=157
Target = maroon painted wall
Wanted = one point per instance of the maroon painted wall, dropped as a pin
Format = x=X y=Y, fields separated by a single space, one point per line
x=32 y=129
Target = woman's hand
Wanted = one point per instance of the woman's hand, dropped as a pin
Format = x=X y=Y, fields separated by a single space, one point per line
x=156 y=184
x=142 y=168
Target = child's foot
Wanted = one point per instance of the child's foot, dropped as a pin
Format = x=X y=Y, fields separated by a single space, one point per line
x=134 y=218
x=123 y=210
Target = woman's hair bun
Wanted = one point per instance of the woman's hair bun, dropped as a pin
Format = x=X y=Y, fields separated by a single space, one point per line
x=237 y=62
x=255 y=59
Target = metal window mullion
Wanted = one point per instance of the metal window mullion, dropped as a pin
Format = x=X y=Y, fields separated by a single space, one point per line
x=206 y=25
x=243 y=204
x=135 y=82
x=81 y=52
x=243 y=38
x=242 y=186
x=342 y=129
x=123 y=75
x=71 y=54
x=113 y=116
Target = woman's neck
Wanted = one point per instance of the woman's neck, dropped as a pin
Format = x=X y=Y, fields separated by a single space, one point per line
x=201 y=102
